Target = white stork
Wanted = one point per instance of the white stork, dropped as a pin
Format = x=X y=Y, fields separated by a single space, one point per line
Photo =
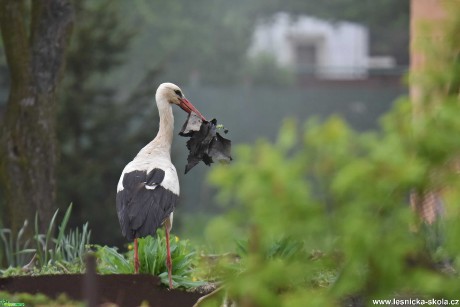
x=148 y=189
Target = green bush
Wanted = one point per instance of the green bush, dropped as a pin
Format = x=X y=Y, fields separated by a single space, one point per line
x=343 y=198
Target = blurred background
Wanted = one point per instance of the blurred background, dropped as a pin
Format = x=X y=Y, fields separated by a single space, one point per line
x=250 y=64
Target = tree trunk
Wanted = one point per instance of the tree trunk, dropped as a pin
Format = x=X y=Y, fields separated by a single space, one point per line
x=35 y=56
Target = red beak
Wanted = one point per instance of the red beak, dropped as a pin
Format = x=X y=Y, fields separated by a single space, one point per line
x=188 y=107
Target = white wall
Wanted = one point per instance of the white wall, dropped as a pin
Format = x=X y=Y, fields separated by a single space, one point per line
x=342 y=47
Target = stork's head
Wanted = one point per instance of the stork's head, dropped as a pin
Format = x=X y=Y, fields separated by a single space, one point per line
x=172 y=94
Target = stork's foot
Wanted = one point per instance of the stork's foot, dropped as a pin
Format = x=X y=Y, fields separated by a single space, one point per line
x=136 y=266
x=169 y=265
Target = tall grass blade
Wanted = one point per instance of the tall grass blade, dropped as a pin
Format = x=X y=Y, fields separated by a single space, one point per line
x=48 y=236
x=18 y=240
x=38 y=244
x=8 y=251
x=64 y=222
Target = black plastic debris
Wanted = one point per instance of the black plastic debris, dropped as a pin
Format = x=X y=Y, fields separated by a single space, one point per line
x=205 y=143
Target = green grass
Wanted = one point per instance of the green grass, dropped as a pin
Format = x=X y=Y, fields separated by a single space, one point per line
x=15 y=251
x=69 y=247
x=48 y=254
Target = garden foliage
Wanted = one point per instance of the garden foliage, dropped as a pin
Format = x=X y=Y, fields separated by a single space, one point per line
x=341 y=198
x=45 y=253
x=152 y=257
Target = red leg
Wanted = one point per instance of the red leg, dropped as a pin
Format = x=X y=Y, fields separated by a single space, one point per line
x=168 y=257
x=136 y=257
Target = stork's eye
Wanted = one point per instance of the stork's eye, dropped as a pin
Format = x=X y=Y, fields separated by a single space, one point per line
x=178 y=92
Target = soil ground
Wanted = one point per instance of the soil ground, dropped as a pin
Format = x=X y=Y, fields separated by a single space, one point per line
x=120 y=289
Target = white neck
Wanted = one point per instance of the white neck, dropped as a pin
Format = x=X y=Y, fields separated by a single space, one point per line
x=165 y=132
x=161 y=144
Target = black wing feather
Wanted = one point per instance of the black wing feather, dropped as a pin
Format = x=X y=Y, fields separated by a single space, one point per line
x=142 y=211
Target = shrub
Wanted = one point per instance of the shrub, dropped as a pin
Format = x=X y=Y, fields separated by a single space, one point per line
x=344 y=198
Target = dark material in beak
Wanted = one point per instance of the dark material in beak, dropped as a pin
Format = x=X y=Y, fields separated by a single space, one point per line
x=188 y=107
x=205 y=144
